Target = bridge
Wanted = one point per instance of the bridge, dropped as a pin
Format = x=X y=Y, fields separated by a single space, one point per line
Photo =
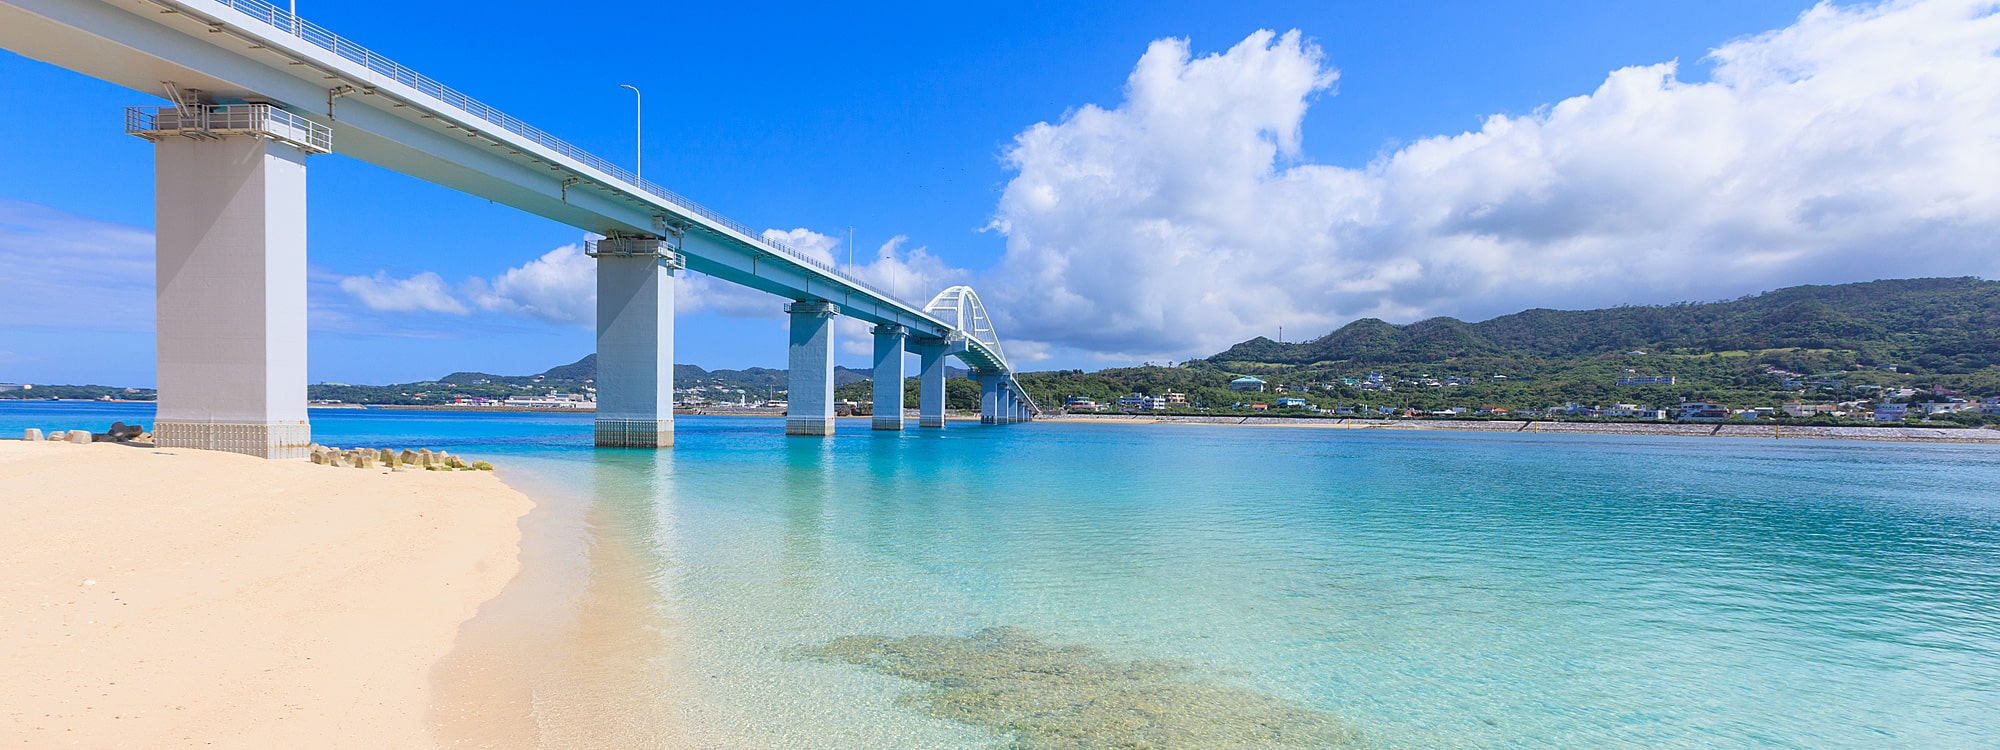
x=257 y=92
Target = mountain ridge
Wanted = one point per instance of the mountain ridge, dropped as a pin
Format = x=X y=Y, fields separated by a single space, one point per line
x=1949 y=325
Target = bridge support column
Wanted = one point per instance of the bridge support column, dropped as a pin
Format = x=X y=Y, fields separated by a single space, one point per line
x=810 y=402
x=990 y=398
x=231 y=294
x=888 y=405
x=930 y=383
x=635 y=347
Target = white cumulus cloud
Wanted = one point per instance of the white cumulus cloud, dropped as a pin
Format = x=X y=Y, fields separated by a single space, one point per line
x=1857 y=143
x=559 y=287
x=423 y=292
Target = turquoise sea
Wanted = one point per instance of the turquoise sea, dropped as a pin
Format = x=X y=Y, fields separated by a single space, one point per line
x=1061 y=585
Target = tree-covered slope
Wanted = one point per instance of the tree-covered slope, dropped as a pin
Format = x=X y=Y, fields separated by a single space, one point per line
x=1940 y=325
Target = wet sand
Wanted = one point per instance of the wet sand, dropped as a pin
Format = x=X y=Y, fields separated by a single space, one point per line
x=578 y=650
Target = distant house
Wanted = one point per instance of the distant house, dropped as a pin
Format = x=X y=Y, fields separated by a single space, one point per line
x=1247 y=383
x=1292 y=403
x=15 y=387
x=1947 y=407
x=1647 y=380
x=1497 y=377
x=1891 y=412
x=1142 y=402
x=1797 y=409
x=1701 y=411
x=1174 y=398
x=1260 y=407
x=1625 y=411
x=1080 y=404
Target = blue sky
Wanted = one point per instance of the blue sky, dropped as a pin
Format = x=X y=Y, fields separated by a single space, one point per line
x=908 y=121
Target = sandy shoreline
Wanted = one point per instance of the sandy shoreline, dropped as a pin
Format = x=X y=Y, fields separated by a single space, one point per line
x=1765 y=430
x=167 y=598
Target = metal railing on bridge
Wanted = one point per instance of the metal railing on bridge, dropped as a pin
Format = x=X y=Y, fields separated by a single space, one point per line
x=284 y=22
x=229 y=119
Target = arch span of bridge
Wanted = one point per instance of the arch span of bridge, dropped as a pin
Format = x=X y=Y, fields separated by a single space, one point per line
x=257 y=91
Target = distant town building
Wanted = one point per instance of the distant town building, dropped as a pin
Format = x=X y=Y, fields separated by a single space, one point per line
x=1292 y=403
x=1247 y=383
x=1891 y=412
x=4 y=387
x=1175 y=398
x=1647 y=380
x=1796 y=409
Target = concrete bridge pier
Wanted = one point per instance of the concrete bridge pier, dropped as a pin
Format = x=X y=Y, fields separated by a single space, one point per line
x=810 y=403
x=990 y=399
x=930 y=382
x=231 y=294
x=635 y=343
x=888 y=407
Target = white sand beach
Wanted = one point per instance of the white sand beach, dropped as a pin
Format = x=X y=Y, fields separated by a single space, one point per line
x=176 y=598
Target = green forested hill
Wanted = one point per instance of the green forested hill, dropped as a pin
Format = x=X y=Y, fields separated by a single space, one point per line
x=1822 y=344
x=1921 y=325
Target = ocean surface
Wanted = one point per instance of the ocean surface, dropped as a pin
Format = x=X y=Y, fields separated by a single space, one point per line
x=1047 y=585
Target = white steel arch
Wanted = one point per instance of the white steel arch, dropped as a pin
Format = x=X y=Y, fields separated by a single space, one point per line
x=959 y=307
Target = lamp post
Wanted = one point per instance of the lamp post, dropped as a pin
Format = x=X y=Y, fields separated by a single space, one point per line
x=638 y=133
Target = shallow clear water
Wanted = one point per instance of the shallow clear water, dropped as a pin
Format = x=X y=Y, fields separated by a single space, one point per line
x=1424 y=590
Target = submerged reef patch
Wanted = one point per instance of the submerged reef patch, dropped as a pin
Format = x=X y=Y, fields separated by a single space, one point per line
x=1053 y=697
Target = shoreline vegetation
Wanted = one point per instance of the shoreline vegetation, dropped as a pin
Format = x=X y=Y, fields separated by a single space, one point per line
x=1766 y=430
x=172 y=596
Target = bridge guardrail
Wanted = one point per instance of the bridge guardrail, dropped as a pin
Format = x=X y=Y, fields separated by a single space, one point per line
x=258 y=119
x=284 y=22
